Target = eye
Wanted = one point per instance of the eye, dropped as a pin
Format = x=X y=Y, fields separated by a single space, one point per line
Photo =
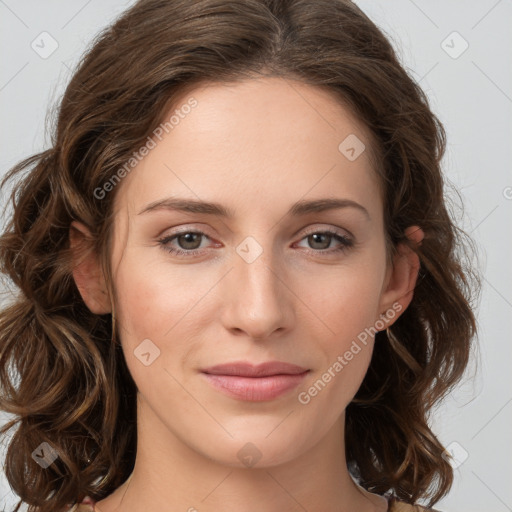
x=321 y=240
x=189 y=242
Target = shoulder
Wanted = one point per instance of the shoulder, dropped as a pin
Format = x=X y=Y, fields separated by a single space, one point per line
x=86 y=505
x=81 y=507
x=400 y=506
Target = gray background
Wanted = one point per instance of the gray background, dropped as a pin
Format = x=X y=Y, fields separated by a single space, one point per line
x=470 y=91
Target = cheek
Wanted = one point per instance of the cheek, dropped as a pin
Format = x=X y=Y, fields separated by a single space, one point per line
x=346 y=355
x=347 y=302
x=155 y=310
x=162 y=305
x=349 y=313
x=154 y=299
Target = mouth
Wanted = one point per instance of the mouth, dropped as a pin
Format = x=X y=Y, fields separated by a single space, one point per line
x=256 y=383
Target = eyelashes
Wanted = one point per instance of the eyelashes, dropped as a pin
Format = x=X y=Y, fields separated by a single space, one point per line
x=344 y=242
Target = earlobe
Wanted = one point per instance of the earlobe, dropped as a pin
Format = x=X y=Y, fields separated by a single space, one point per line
x=403 y=275
x=415 y=234
x=87 y=272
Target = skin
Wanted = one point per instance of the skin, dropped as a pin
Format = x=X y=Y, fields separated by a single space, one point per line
x=256 y=147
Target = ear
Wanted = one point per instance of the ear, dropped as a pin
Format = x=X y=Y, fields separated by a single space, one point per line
x=401 y=276
x=87 y=271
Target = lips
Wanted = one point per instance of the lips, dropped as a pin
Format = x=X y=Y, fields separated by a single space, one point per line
x=243 y=369
x=262 y=382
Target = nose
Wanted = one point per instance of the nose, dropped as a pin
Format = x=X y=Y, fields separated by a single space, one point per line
x=258 y=302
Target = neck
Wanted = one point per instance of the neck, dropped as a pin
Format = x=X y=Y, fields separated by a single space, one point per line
x=171 y=475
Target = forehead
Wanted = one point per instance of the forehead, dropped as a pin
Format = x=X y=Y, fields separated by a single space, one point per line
x=252 y=135
x=264 y=107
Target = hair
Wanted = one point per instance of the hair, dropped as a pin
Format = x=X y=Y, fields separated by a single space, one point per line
x=71 y=387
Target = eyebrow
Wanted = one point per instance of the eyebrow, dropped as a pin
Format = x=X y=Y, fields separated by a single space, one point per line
x=302 y=207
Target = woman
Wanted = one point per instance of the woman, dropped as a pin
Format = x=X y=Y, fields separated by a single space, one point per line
x=240 y=285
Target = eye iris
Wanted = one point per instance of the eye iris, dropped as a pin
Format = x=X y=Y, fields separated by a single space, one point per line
x=189 y=238
x=314 y=237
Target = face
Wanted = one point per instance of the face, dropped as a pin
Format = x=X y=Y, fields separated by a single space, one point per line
x=272 y=280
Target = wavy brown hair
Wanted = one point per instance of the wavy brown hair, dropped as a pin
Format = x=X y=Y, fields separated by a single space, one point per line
x=62 y=372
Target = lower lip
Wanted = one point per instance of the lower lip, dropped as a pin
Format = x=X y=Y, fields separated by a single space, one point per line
x=255 y=389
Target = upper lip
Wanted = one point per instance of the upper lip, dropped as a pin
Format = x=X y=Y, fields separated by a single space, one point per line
x=245 y=369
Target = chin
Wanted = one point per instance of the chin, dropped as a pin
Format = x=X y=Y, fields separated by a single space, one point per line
x=257 y=449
